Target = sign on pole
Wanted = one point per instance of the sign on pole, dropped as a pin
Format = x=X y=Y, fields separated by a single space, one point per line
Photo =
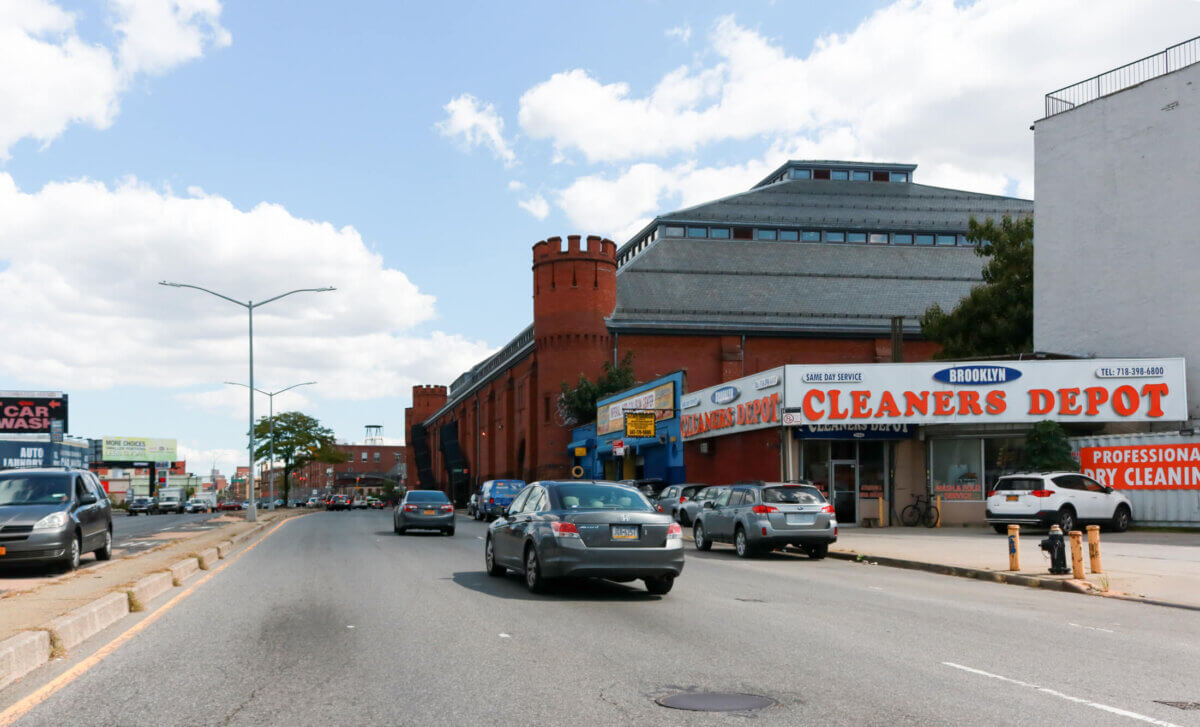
x=618 y=447
x=639 y=424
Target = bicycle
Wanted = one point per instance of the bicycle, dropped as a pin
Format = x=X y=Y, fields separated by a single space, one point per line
x=920 y=511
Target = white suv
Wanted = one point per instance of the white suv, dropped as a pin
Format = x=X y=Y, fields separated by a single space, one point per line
x=1063 y=498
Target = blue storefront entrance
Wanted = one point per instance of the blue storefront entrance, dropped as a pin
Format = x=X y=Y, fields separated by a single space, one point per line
x=658 y=457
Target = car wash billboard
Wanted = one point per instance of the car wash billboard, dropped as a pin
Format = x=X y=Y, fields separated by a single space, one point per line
x=1000 y=392
x=32 y=412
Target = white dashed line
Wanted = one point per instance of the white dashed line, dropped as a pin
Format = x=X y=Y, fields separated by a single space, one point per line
x=1092 y=628
x=505 y=636
x=1060 y=695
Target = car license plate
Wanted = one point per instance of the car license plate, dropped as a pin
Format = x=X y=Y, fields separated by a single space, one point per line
x=427 y=512
x=624 y=532
x=1012 y=498
x=800 y=519
x=3 y=550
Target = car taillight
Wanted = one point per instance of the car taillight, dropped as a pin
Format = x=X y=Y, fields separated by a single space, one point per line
x=674 y=532
x=410 y=508
x=564 y=530
x=658 y=507
x=828 y=509
x=763 y=509
x=992 y=493
x=491 y=501
x=446 y=508
x=682 y=498
x=1042 y=493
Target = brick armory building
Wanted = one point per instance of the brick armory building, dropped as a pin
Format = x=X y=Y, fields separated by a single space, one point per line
x=811 y=265
x=367 y=466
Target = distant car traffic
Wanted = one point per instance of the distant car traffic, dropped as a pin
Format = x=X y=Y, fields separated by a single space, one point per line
x=582 y=529
x=1065 y=499
x=196 y=506
x=359 y=503
x=494 y=496
x=338 y=502
x=170 y=499
x=229 y=505
x=758 y=517
x=314 y=501
x=672 y=498
x=473 y=505
x=53 y=516
x=140 y=506
x=423 y=510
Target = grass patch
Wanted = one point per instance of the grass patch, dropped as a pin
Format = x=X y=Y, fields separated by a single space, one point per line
x=57 y=650
x=134 y=604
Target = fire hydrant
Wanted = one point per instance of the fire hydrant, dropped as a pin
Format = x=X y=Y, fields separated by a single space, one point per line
x=1058 y=551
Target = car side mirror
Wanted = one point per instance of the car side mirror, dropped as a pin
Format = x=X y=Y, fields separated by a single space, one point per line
x=88 y=500
x=1108 y=490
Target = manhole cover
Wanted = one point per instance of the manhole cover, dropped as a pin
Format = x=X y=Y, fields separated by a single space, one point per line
x=716 y=701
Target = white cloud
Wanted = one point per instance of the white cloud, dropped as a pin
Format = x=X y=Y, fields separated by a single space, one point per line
x=515 y=186
x=64 y=79
x=536 y=206
x=682 y=33
x=201 y=461
x=78 y=267
x=950 y=86
x=476 y=124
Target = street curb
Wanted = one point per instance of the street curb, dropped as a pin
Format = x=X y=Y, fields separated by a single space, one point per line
x=1048 y=584
x=151 y=587
x=75 y=627
x=184 y=569
x=224 y=549
x=21 y=654
x=208 y=558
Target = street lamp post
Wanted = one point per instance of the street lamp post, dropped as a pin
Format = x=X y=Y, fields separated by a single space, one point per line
x=271 y=418
x=252 y=511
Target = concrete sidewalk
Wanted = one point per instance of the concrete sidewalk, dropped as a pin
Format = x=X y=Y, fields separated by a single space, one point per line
x=1152 y=565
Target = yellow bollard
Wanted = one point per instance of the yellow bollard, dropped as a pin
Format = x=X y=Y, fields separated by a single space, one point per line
x=1077 y=554
x=1014 y=547
x=939 y=510
x=1093 y=532
x=881 y=508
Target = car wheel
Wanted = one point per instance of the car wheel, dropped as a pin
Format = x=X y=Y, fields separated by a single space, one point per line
x=534 y=580
x=659 y=585
x=1121 y=518
x=817 y=551
x=700 y=537
x=1002 y=529
x=450 y=531
x=741 y=543
x=489 y=559
x=682 y=517
x=395 y=526
x=104 y=552
x=1066 y=520
x=71 y=560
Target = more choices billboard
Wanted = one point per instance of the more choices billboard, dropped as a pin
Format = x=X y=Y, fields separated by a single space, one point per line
x=138 y=449
x=1001 y=392
x=32 y=412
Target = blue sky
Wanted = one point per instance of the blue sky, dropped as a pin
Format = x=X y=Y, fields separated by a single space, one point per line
x=387 y=148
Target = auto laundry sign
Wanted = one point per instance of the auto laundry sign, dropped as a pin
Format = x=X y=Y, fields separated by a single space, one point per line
x=1077 y=390
x=753 y=402
x=32 y=412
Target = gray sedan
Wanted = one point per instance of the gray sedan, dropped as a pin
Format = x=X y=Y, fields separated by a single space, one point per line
x=582 y=529
x=53 y=515
x=424 y=510
x=762 y=516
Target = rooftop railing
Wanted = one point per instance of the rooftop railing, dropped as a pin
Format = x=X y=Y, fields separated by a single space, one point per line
x=1130 y=74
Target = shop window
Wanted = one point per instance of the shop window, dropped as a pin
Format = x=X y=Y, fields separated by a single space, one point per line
x=879 y=238
x=899 y=176
x=898 y=239
x=835 y=237
x=719 y=233
x=810 y=236
x=924 y=239
x=956 y=468
x=672 y=232
x=1002 y=456
x=789 y=235
x=839 y=175
x=816 y=464
x=801 y=174
x=856 y=237
x=743 y=233
x=697 y=232
x=765 y=234
x=947 y=239
x=872 y=474
x=820 y=174
x=860 y=175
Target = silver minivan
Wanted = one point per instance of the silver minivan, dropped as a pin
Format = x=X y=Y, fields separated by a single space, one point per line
x=53 y=516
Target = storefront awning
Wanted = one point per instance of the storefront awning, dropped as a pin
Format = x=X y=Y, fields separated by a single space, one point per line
x=589 y=443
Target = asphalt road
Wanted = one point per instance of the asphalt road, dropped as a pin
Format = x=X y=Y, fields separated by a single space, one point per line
x=335 y=620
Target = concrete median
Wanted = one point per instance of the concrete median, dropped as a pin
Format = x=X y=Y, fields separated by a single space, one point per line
x=75 y=627
x=184 y=569
x=151 y=587
x=224 y=549
x=208 y=558
x=21 y=654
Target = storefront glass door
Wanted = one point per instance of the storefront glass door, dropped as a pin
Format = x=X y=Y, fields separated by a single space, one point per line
x=845 y=491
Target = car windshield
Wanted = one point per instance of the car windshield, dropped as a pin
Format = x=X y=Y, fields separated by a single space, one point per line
x=792 y=495
x=34 y=489
x=426 y=496
x=1023 y=484
x=596 y=496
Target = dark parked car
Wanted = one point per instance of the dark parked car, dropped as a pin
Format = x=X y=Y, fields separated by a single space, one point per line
x=53 y=516
x=338 y=502
x=424 y=510
x=140 y=506
x=582 y=529
x=495 y=495
x=672 y=499
x=762 y=516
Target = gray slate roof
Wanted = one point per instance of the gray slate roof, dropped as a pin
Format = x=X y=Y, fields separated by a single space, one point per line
x=682 y=284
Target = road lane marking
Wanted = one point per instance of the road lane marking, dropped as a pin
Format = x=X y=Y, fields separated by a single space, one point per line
x=1060 y=695
x=505 y=636
x=24 y=706
x=1092 y=628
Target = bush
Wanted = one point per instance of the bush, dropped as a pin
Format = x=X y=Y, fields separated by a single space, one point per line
x=1047 y=448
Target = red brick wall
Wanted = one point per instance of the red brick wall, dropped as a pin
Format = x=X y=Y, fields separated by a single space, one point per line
x=734 y=458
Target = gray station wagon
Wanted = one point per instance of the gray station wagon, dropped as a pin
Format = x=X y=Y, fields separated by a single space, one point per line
x=757 y=517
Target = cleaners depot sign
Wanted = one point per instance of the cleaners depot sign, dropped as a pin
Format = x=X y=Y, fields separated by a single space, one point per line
x=1007 y=392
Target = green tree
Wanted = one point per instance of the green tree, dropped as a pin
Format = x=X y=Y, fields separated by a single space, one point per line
x=389 y=494
x=299 y=440
x=1047 y=448
x=996 y=318
x=577 y=405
